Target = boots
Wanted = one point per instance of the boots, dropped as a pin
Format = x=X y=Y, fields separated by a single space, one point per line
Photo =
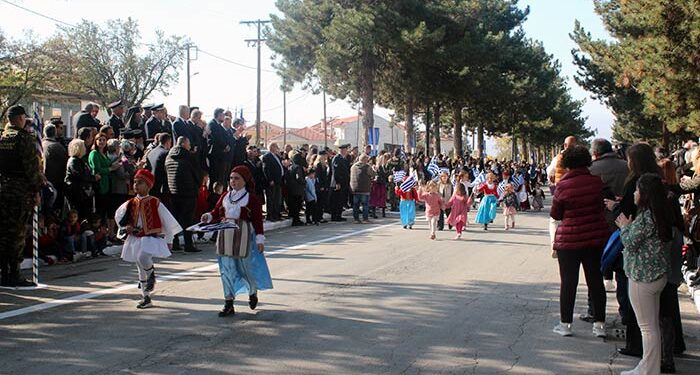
x=374 y=213
x=383 y=211
x=228 y=309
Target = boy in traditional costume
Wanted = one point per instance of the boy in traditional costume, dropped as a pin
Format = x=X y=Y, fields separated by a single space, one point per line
x=149 y=229
x=240 y=251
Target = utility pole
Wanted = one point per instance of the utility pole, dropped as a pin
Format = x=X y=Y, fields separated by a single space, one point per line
x=257 y=43
x=189 y=58
x=284 y=118
x=325 y=122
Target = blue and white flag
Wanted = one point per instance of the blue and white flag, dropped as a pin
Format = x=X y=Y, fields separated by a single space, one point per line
x=409 y=184
x=480 y=179
x=38 y=132
x=399 y=175
x=433 y=169
x=518 y=181
x=502 y=188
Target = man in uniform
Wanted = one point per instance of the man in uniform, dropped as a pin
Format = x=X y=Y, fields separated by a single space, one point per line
x=154 y=125
x=340 y=183
x=117 y=121
x=88 y=117
x=21 y=181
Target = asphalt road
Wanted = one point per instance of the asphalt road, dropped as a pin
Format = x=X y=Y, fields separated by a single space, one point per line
x=348 y=299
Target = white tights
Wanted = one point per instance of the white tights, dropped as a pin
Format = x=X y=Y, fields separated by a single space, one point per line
x=144 y=264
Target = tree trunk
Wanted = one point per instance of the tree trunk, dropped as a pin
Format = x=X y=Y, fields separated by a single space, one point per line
x=523 y=148
x=438 y=146
x=664 y=135
x=427 y=130
x=457 y=129
x=408 y=135
x=367 y=82
x=480 y=140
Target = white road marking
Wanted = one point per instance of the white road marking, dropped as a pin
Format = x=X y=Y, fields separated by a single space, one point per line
x=171 y=276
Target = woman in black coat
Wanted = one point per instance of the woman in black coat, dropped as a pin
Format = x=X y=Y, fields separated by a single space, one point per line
x=79 y=180
x=323 y=184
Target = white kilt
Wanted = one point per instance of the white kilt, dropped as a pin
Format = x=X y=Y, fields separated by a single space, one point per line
x=134 y=246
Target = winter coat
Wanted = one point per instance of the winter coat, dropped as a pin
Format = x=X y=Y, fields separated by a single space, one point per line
x=183 y=173
x=361 y=176
x=578 y=203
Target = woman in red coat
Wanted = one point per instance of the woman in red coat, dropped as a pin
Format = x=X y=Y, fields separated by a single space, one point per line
x=580 y=238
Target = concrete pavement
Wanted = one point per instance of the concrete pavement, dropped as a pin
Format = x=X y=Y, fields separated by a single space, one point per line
x=382 y=301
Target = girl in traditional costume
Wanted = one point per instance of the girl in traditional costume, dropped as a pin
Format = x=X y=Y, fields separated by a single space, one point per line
x=487 y=207
x=149 y=229
x=240 y=251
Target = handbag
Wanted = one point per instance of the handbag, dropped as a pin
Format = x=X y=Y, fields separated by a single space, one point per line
x=234 y=242
x=611 y=252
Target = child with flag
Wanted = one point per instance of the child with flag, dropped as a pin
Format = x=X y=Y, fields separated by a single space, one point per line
x=487 y=207
x=406 y=191
x=149 y=229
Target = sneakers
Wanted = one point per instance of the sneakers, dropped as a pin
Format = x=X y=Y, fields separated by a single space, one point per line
x=458 y=236
x=145 y=303
x=599 y=330
x=563 y=329
x=609 y=286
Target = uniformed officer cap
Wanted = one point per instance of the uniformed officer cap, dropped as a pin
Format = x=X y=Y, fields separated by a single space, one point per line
x=158 y=107
x=16 y=110
x=347 y=145
x=56 y=121
x=116 y=104
x=148 y=107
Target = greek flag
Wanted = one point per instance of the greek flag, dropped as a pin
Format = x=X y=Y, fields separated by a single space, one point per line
x=453 y=179
x=409 y=184
x=480 y=179
x=38 y=127
x=518 y=181
x=433 y=169
x=399 y=175
x=502 y=188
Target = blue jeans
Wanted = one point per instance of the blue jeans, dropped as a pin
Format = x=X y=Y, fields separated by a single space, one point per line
x=362 y=199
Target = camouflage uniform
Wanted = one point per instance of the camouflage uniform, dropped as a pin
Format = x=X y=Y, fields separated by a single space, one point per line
x=20 y=180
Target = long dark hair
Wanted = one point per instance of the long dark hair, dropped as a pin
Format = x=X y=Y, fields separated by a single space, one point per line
x=641 y=159
x=653 y=196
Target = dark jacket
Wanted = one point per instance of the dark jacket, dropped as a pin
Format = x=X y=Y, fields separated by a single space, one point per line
x=182 y=172
x=216 y=140
x=296 y=182
x=155 y=162
x=361 y=176
x=153 y=126
x=181 y=128
x=86 y=120
x=323 y=181
x=55 y=159
x=272 y=168
x=340 y=171
x=239 y=150
x=578 y=203
x=256 y=170
x=117 y=125
x=613 y=171
x=79 y=180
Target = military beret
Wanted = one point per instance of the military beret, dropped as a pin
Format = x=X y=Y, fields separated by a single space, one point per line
x=116 y=104
x=16 y=110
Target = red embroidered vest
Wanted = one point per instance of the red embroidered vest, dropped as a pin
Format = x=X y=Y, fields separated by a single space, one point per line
x=147 y=209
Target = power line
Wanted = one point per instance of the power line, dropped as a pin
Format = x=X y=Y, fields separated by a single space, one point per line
x=232 y=62
x=289 y=102
x=39 y=14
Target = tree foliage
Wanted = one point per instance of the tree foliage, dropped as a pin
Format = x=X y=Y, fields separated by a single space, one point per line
x=649 y=74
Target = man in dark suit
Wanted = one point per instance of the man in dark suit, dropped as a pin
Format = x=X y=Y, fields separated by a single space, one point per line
x=340 y=183
x=254 y=164
x=181 y=126
x=87 y=117
x=154 y=125
x=239 y=149
x=218 y=149
x=155 y=162
x=274 y=173
x=116 y=121
x=199 y=141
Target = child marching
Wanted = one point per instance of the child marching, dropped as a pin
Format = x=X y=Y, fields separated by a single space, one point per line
x=240 y=251
x=487 y=208
x=510 y=206
x=433 y=205
x=149 y=229
x=406 y=191
x=459 y=204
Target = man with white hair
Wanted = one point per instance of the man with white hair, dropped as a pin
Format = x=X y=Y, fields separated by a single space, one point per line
x=180 y=126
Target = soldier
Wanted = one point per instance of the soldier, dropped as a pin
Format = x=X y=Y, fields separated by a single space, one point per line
x=155 y=125
x=21 y=181
x=116 y=121
x=340 y=183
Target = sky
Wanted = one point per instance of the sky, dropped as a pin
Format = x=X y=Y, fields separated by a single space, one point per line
x=214 y=27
